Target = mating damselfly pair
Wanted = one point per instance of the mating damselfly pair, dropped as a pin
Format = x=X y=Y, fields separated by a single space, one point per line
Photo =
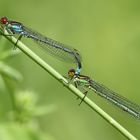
x=69 y=54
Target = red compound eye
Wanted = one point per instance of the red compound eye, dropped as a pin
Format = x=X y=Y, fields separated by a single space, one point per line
x=4 y=20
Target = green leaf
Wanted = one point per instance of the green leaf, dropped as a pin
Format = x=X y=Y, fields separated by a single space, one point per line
x=44 y=110
x=9 y=72
x=9 y=54
x=16 y=131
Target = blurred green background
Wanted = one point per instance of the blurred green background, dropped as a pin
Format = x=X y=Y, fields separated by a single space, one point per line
x=107 y=33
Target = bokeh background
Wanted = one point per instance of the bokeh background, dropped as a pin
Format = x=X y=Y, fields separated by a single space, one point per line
x=107 y=34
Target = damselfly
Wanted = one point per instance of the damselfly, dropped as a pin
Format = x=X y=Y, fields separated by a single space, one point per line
x=87 y=84
x=55 y=48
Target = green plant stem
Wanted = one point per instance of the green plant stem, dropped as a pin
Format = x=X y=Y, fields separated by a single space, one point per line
x=11 y=93
x=72 y=88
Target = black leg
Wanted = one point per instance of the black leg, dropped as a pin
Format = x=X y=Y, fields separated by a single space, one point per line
x=75 y=84
x=64 y=83
x=4 y=34
x=19 y=38
x=70 y=80
x=85 y=93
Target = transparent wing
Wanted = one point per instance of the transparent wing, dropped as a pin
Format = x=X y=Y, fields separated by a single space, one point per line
x=118 y=100
x=55 y=48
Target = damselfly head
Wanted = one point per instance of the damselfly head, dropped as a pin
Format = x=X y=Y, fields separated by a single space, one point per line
x=4 y=20
x=71 y=73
